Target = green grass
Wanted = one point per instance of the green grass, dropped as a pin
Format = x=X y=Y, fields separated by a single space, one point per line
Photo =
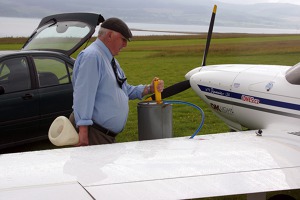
x=171 y=57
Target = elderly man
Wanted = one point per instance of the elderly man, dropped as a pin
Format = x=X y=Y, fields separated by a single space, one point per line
x=101 y=91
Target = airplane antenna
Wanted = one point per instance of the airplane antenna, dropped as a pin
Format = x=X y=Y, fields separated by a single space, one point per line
x=209 y=34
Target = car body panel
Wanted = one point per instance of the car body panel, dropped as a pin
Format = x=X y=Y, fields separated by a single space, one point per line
x=50 y=110
x=26 y=115
x=21 y=124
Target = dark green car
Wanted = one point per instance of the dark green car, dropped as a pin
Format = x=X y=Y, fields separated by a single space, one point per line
x=36 y=81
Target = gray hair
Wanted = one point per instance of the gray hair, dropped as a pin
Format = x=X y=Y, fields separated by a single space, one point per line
x=102 y=31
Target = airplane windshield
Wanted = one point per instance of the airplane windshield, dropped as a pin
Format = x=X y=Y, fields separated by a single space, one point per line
x=293 y=75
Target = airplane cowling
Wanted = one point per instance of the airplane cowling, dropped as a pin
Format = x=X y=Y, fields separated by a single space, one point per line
x=211 y=85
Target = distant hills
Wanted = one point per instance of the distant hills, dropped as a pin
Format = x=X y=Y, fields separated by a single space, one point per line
x=270 y=15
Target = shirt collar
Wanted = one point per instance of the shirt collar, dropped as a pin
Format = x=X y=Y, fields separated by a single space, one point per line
x=104 y=48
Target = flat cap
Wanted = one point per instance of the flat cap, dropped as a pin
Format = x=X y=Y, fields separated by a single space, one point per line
x=117 y=25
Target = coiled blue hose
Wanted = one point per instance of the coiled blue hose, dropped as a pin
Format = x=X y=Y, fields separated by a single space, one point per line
x=193 y=105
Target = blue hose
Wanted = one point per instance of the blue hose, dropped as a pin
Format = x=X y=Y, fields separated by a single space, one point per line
x=193 y=105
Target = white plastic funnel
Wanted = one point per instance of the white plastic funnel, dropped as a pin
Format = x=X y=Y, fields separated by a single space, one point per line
x=62 y=132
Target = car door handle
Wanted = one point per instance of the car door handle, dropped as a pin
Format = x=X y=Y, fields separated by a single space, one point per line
x=27 y=96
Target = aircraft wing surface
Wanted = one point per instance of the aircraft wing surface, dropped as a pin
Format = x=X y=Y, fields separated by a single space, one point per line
x=176 y=168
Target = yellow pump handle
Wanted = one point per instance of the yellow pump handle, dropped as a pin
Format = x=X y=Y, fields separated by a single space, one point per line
x=156 y=93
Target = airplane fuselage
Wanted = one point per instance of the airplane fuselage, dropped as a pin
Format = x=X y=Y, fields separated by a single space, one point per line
x=251 y=96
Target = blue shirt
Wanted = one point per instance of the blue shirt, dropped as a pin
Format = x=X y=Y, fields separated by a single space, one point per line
x=97 y=96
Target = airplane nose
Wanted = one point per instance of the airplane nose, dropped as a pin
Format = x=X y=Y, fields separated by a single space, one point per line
x=192 y=72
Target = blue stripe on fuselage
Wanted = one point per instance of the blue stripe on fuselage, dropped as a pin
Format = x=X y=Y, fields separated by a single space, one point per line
x=249 y=98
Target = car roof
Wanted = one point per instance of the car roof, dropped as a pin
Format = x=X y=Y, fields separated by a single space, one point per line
x=7 y=52
x=64 y=32
x=13 y=53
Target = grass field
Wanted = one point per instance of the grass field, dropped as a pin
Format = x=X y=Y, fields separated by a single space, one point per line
x=171 y=57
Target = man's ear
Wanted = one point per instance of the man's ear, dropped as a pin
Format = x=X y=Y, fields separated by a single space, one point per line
x=110 y=35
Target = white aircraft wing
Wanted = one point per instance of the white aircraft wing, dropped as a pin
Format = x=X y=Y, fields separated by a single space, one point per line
x=176 y=168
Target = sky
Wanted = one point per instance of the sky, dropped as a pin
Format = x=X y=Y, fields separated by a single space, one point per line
x=260 y=1
x=167 y=11
x=179 y=12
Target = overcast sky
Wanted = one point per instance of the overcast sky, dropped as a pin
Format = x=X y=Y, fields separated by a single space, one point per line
x=259 y=1
x=167 y=11
x=171 y=12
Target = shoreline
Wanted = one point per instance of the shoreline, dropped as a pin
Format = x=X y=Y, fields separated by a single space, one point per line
x=185 y=35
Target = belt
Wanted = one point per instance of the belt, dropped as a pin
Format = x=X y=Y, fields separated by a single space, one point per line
x=104 y=130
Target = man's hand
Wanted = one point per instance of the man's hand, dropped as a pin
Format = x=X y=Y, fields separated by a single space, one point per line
x=83 y=136
x=160 y=85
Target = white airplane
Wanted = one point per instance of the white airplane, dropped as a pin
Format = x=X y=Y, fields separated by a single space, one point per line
x=254 y=162
x=251 y=96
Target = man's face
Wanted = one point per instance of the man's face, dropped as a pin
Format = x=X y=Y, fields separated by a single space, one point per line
x=117 y=43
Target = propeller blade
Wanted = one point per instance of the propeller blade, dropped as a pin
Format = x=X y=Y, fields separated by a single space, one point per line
x=172 y=90
x=210 y=31
x=184 y=85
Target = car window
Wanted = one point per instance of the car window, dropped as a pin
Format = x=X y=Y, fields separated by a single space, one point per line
x=14 y=75
x=52 y=71
x=62 y=36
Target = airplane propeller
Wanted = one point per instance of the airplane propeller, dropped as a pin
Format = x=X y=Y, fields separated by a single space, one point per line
x=184 y=85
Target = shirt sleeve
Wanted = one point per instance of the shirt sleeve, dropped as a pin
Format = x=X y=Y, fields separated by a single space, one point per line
x=135 y=92
x=86 y=79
